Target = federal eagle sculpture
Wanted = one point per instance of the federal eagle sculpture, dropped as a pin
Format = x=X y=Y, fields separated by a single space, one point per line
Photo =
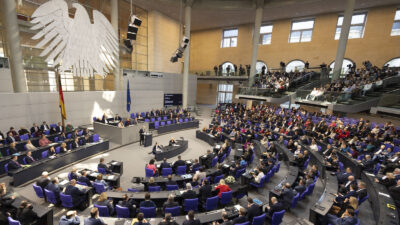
x=75 y=44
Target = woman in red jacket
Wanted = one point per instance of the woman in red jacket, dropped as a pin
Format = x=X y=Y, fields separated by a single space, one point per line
x=222 y=187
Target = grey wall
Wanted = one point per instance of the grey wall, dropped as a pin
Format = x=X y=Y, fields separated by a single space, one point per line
x=22 y=109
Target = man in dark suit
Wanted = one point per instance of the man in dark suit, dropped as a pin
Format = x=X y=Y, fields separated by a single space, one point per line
x=76 y=194
x=147 y=201
x=253 y=209
x=346 y=187
x=44 y=126
x=225 y=220
x=156 y=148
x=170 y=181
x=287 y=196
x=59 y=127
x=395 y=193
x=191 y=220
x=241 y=218
x=362 y=190
x=342 y=176
x=44 y=180
x=13 y=164
x=141 y=134
x=179 y=162
x=53 y=186
x=205 y=191
x=34 y=128
x=165 y=164
x=301 y=187
x=10 y=137
x=209 y=158
x=29 y=159
x=348 y=218
x=75 y=144
x=128 y=203
x=170 y=202
x=368 y=164
x=103 y=165
x=189 y=193
x=84 y=179
x=94 y=218
x=274 y=206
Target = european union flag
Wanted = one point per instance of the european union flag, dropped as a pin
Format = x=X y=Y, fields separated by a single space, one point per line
x=128 y=98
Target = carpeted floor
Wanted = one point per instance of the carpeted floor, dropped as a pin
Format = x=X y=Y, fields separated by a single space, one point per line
x=135 y=158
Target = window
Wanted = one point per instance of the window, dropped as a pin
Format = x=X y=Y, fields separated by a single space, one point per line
x=356 y=27
x=396 y=24
x=229 y=38
x=345 y=66
x=301 y=31
x=265 y=34
x=225 y=93
x=393 y=63
x=225 y=68
x=259 y=66
x=295 y=66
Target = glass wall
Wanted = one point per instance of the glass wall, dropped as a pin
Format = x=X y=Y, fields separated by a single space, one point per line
x=41 y=76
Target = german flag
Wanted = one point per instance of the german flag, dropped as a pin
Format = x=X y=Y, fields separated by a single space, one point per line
x=61 y=103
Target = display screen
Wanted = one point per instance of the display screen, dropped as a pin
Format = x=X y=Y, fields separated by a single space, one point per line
x=172 y=99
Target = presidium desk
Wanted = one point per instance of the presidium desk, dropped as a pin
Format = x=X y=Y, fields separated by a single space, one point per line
x=23 y=175
x=121 y=136
x=171 y=151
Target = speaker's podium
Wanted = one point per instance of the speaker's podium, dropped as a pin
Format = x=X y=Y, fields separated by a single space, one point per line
x=148 y=139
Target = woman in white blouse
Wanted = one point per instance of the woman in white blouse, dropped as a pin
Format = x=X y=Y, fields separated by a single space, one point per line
x=29 y=146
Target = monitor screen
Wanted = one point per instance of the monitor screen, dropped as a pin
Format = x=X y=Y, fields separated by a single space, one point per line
x=172 y=100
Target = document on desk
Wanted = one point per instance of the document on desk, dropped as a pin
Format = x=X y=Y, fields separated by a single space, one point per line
x=218 y=146
x=188 y=162
x=237 y=207
x=384 y=194
x=111 y=177
x=175 y=145
x=94 y=174
x=114 y=163
x=211 y=135
x=64 y=182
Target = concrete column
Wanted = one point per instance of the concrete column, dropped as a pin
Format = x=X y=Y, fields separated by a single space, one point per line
x=14 y=45
x=256 y=40
x=114 y=23
x=185 y=83
x=344 y=36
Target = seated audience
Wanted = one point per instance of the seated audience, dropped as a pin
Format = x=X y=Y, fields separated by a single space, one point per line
x=25 y=214
x=44 y=180
x=44 y=141
x=138 y=184
x=168 y=220
x=141 y=220
x=147 y=201
x=104 y=201
x=190 y=220
x=170 y=202
x=128 y=203
x=94 y=218
x=222 y=187
x=29 y=146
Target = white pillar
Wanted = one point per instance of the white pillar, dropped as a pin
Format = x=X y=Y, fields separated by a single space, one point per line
x=256 y=40
x=114 y=23
x=344 y=36
x=185 y=83
x=14 y=45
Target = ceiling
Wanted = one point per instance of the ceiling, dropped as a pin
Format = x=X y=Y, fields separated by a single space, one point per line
x=208 y=14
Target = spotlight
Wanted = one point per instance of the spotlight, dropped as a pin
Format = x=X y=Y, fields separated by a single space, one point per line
x=133 y=27
x=179 y=52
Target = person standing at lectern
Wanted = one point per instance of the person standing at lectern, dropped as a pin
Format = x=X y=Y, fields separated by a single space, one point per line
x=141 y=133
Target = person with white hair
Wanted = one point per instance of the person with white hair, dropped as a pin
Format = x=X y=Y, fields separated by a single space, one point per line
x=44 y=180
x=189 y=193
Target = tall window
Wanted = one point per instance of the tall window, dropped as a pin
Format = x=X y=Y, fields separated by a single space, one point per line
x=225 y=93
x=229 y=38
x=295 y=66
x=396 y=24
x=266 y=34
x=301 y=31
x=225 y=69
x=356 y=28
x=393 y=63
x=345 y=66
x=259 y=66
